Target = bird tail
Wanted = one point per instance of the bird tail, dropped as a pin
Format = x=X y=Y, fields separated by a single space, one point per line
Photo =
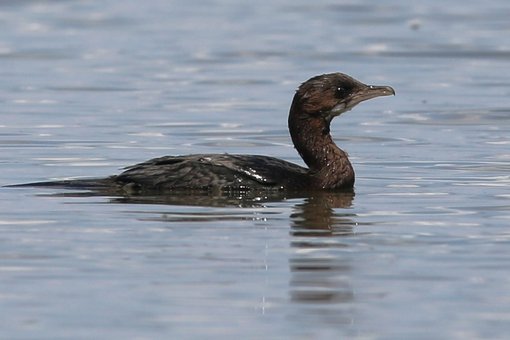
x=84 y=184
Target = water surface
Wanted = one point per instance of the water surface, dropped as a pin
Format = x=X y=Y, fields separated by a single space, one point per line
x=420 y=251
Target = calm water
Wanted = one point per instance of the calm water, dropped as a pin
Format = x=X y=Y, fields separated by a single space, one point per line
x=421 y=251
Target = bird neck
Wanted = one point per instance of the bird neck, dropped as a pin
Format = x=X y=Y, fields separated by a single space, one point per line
x=328 y=164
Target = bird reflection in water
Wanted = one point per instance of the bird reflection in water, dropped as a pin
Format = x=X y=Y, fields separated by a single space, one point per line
x=316 y=215
x=319 y=276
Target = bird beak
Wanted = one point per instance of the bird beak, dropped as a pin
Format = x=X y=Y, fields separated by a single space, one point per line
x=365 y=92
x=368 y=92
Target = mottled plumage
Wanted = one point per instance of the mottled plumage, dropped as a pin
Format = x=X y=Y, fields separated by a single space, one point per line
x=212 y=172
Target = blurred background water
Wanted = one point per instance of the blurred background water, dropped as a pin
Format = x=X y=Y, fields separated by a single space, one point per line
x=420 y=251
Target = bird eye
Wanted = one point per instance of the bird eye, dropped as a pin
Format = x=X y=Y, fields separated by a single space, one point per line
x=340 y=91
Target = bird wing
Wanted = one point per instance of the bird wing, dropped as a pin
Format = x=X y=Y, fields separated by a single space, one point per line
x=215 y=170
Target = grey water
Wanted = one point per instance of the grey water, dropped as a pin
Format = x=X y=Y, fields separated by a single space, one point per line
x=420 y=251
